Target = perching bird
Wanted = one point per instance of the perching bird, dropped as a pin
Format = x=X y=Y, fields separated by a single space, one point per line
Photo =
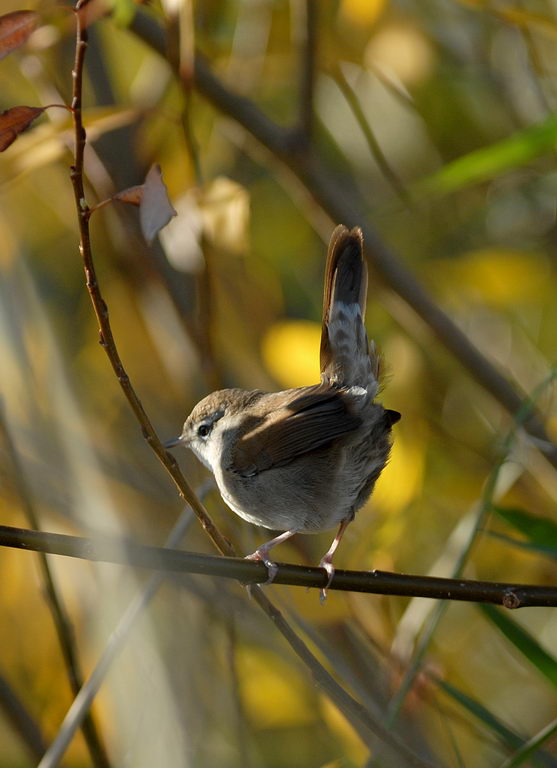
x=304 y=460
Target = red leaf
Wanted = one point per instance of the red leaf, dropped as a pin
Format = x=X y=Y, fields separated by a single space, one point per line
x=132 y=195
x=15 y=28
x=14 y=121
x=155 y=210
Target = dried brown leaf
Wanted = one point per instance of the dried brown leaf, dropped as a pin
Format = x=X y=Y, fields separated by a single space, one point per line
x=15 y=29
x=132 y=195
x=14 y=121
x=155 y=210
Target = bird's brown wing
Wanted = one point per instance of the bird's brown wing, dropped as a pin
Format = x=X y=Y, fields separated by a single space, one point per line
x=305 y=423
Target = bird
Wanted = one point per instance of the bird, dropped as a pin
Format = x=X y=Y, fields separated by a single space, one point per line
x=304 y=460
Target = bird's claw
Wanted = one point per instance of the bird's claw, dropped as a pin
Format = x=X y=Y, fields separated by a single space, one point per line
x=327 y=565
x=272 y=568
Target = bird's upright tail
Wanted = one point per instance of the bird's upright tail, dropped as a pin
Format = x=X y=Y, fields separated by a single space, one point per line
x=346 y=357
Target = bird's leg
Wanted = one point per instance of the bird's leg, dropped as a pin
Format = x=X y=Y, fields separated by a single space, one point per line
x=327 y=559
x=262 y=552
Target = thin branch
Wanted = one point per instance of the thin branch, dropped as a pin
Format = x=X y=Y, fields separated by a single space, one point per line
x=205 y=284
x=528 y=750
x=203 y=337
x=347 y=206
x=506 y=594
x=62 y=623
x=17 y=714
x=308 y=55
x=374 y=147
x=241 y=719
x=180 y=53
x=360 y=718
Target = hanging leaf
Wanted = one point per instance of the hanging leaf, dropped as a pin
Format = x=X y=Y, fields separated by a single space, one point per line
x=132 y=195
x=15 y=29
x=14 y=121
x=155 y=210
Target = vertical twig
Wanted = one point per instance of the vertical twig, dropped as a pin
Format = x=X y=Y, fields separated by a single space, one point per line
x=240 y=715
x=308 y=55
x=206 y=319
x=62 y=623
x=181 y=55
x=371 y=139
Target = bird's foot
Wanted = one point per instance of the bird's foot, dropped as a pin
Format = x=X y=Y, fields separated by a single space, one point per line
x=327 y=565
x=262 y=554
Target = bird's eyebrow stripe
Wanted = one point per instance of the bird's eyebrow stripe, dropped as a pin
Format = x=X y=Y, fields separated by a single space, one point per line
x=214 y=417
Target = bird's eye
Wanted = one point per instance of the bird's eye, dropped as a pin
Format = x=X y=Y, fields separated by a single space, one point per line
x=203 y=430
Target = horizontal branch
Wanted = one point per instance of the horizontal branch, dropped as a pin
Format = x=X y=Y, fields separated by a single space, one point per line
x=249 y=572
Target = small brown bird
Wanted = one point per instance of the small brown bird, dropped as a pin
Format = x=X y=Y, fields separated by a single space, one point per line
x=304 y=460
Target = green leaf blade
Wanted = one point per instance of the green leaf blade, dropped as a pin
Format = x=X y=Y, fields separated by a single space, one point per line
x=524 y=642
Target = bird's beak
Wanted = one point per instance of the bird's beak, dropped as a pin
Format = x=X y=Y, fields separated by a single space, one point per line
x=173 y=443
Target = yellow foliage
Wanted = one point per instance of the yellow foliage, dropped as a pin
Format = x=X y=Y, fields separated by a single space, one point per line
x=290 y=351
x=353 y=747
x=500 y=276
x=401 y=479
x=362 y=12
x=306 y=602
x=273 y=692
x=402 y=50
x=7 y=237
x=517 y=16
x=46 y=141
x=224 y=206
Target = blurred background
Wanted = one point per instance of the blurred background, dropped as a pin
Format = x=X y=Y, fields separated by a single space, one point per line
x=433 y=120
